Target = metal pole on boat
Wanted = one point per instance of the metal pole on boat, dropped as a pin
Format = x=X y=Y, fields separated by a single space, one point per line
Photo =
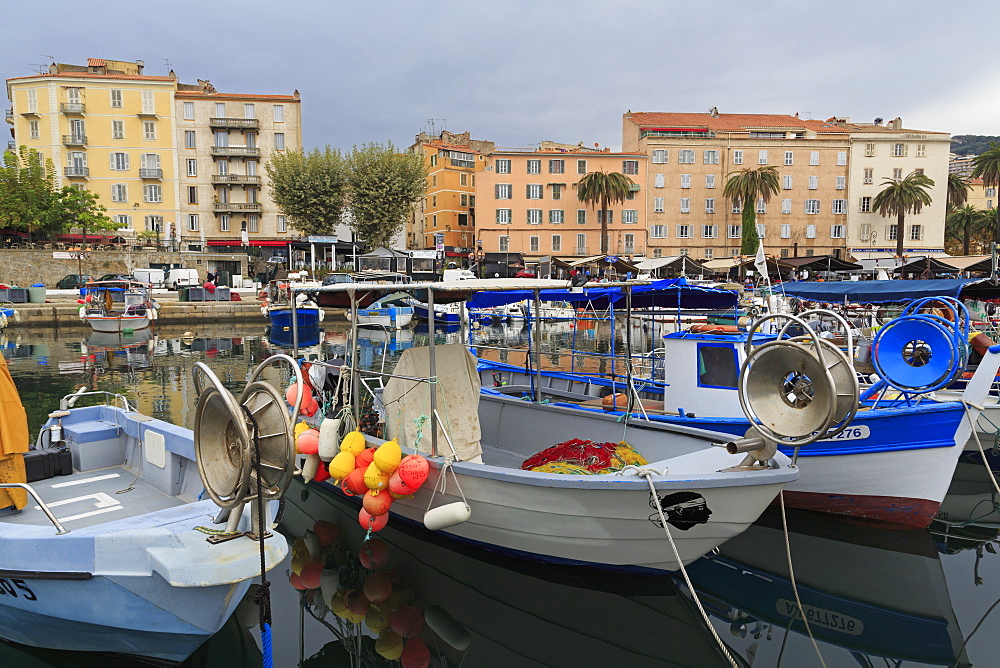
x=295 y=324
x=630 y=404
x=355 y=390
x=538 y=344
x=432 y=369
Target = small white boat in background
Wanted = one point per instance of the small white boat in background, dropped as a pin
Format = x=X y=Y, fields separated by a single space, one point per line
x=118 y=306
x=387 y=313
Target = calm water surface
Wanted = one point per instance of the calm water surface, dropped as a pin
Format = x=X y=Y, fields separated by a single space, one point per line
x=874 y=595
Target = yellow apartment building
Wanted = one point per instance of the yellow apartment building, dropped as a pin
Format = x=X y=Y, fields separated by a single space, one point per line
x=528 y=203
x=108 y=128
x=449 y=206
x=980 y=196
x=690 y=156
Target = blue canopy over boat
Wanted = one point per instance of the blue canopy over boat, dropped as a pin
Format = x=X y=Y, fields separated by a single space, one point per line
x=865 y=292
x=669 y=293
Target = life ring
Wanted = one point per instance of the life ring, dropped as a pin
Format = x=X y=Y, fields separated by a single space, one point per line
x=709 y=328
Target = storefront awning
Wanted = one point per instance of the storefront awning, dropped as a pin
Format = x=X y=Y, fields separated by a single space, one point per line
x=235 y=243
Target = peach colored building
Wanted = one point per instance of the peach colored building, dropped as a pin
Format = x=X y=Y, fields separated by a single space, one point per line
x=690 y=156
x=527 y=203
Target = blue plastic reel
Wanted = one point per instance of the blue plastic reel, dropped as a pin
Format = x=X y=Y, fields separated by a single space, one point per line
x=918 y=353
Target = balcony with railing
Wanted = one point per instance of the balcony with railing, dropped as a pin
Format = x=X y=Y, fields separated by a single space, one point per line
x=150 y=173
x=146 y=112
x=238 y=123
x=8 y=115
x=12 y=145
x=235 y=179
x=72 y=107
x=74 y=140
x=236 y=207
x=77 y=172
x=235 y=152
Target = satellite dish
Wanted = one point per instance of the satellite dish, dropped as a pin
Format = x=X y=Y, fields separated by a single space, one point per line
x=230 y=434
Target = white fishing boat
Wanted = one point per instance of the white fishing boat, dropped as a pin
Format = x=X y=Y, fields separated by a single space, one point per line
x=118 y=306
x=120 y=553
x=385 y=313
x=481 y=494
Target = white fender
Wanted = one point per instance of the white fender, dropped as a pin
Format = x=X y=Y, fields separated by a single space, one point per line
x=447 y=628
x=447 y=515
x=329 y=583
x=329 y=444
x=310 y=467
x=311 y=542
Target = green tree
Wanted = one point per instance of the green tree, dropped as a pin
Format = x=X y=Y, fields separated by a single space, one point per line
x=310 y=188
x=385 y=184
x=29 y=199
x=986 y=166
x=81 y=209
x=958 y=189
x=604 y=189
x=747 y=186
x=899 y=197
x=966 y=224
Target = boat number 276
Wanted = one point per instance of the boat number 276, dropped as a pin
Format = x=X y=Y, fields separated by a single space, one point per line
x=16 y=588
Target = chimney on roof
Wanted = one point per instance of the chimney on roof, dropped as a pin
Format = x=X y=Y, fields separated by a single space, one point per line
x=172 y=75
x=140 y=64
x=896 y=123
x=714 y=112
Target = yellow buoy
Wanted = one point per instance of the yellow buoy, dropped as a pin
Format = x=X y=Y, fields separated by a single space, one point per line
x=389 y=645
x=341 y=466
x=353 y=443
x=387 y=456
x=299 y=428
x=376 y=620
x=375 y=480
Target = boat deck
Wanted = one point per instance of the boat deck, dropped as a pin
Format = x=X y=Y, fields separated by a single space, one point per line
x=92 y=498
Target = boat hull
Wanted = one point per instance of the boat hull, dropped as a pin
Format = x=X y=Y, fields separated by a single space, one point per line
x=115 y=324
x=281 y=318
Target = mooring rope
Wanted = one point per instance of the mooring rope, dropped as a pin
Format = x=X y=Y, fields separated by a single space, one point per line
x=648 y=475
x=261 y=596
x=979 y=443
x=791 y=577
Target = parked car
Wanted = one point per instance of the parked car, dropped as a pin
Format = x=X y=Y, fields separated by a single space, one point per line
x=115 y=277
x=182 y=278
x=72 y=281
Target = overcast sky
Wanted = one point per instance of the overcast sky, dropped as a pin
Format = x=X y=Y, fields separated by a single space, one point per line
x=517 y=72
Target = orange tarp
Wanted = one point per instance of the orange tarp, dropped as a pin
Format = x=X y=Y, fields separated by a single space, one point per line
x=13 y=439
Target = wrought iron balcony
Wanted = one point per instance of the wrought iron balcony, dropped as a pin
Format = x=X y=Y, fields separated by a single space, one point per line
x=227 y=207
x=12 y=145
x=235 y=179
x=74 y=140
x=8 y=116
x=238 y=123
x=235 y=152
x=72 y=107
x=150 y=173
x=78 y=172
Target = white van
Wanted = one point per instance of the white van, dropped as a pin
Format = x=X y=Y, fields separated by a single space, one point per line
x=154 y=277
x=182 y=278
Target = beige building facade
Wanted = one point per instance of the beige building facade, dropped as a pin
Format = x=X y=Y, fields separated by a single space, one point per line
x=880 y=153
x=690 y=156
x=528 y=203
x=223 y=142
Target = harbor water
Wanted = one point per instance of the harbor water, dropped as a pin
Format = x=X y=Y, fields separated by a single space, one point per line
x=873 y=594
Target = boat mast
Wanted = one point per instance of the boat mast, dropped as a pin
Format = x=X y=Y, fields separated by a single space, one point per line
x=432 y=364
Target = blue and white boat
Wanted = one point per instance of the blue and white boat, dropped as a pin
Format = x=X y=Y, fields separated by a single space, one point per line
x=444 y=314
x=120 y=553
x=385 y=313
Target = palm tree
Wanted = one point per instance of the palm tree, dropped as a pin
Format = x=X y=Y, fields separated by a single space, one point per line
x=748 y=185
x=966 y=223
x=899 y=197
x=958 y=190
x=604 y=189
x=986 y=166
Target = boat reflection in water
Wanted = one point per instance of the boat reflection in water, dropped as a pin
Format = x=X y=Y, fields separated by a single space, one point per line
x=871 y=590
x=506 y=612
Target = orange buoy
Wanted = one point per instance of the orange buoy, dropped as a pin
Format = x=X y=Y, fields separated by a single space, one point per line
x=296 y=581
x=321 y=471
x=356 y=602
x=413 y=471
x=341 y=466
x=308 y=442
x=415 y=654
x=364 y=458
x=408 y=621
x=373 y=522
x=375 y=479
x=387 y=456
x=614 y=401
x=401 y=596
x=309 y=577
x=376 y=503
x=354 y=483
x=373 y=554
x=378 y=587
x=398 y=488
x=709 y=328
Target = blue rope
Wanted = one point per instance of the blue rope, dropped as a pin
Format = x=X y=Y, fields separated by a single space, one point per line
x=265 y=641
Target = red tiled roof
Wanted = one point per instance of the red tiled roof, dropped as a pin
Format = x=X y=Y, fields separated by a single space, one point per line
x=96 y=62
x=729 y=122
x=235 y=96
x=881 y=129
x=465 y=148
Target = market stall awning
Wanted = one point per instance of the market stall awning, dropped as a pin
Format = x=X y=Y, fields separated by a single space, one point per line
x=236 y=243
x=821 y=263
x=930 y=265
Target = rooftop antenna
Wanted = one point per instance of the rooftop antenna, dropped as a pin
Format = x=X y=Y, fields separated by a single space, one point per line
x=38 y=67
x=433 y=126
x=49 y=58
x=167 y=64
x=808 y=115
